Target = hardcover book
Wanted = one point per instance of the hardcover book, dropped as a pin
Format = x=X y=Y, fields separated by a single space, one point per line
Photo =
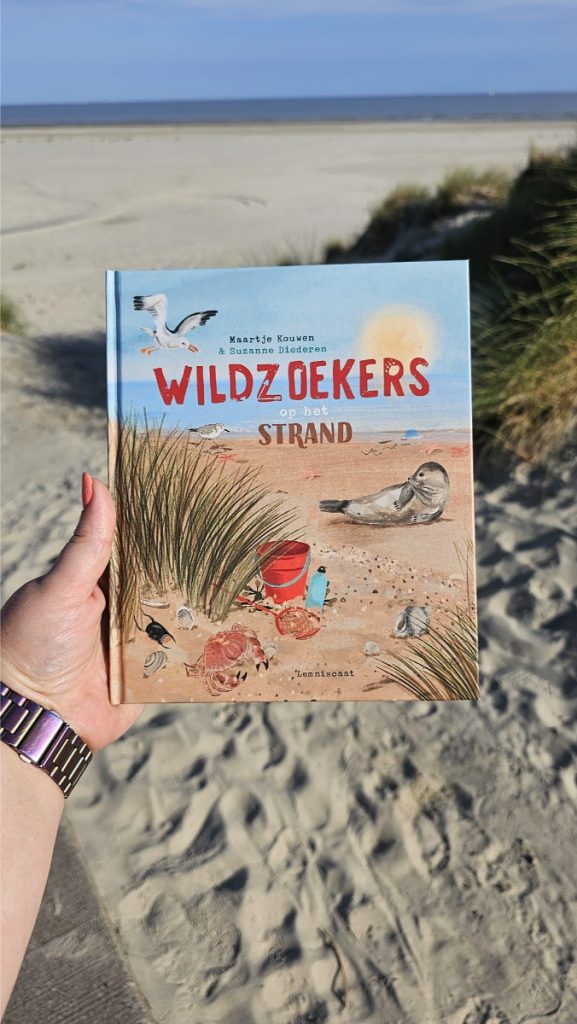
x=291 y=461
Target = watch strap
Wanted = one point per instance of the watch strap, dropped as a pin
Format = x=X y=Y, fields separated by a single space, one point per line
x=42 y=738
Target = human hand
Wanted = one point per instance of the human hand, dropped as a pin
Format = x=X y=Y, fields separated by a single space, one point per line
x=54 y=647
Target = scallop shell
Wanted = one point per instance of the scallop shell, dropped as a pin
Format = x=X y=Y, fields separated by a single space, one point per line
x=154 y=662
x=184 y=617
x=413 y=621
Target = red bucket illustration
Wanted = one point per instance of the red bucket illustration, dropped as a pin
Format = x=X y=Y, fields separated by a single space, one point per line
x=285 y=575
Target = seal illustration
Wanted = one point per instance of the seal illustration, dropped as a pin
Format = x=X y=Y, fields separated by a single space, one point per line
x=422 y=498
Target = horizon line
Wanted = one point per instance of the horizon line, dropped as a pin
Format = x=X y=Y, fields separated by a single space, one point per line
x=485 y=94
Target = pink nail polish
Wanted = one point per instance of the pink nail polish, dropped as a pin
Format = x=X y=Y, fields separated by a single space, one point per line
x=87 y=489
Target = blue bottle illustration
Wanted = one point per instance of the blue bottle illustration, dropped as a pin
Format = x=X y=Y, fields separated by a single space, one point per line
x=317 y=589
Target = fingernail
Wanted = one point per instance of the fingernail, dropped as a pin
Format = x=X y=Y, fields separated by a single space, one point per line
x=87 y=489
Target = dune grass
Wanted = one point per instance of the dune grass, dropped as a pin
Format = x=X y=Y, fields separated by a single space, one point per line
x=11 y=320
x=464 y=186
x=525 y=334
x=520 y=238
x=186 y=522
x=412 y=207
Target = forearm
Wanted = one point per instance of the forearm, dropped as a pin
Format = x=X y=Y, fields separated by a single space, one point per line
x=31 y=806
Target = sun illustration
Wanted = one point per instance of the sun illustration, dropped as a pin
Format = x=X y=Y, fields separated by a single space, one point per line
x=399 y=332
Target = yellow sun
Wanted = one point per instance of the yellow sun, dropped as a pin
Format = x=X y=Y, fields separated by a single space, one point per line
x=401 y=332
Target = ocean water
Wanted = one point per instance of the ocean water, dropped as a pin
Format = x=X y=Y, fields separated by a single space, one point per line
x=447 y=407
x=488 y=107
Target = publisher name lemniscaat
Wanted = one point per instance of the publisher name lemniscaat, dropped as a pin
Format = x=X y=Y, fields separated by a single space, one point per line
x=349 y=379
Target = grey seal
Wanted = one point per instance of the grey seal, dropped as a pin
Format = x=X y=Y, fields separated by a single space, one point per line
x=422 y=498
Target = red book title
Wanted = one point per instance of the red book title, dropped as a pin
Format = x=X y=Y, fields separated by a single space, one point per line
x=315 y=381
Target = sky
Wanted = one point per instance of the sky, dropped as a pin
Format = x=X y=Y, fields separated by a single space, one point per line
x=367 y=312
x=111 y=50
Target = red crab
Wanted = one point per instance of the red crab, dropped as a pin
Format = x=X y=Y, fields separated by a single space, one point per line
x=223 y=651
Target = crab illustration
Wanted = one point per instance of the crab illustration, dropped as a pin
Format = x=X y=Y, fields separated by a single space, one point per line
x=224 y=651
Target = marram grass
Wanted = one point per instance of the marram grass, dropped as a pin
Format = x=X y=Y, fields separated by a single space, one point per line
x=525 y=359
x=187 y=523
x=11 y=320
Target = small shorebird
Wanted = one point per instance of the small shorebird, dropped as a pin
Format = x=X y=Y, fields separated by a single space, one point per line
x=164 y=336
x=209 y=431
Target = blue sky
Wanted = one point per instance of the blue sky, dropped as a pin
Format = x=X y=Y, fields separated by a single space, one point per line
x=96 y=50
x=269 y=301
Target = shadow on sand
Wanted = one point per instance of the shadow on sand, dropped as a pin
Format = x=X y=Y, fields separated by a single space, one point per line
x=71 y=369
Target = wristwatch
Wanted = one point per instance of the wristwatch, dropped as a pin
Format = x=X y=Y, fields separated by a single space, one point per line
x=42 y=738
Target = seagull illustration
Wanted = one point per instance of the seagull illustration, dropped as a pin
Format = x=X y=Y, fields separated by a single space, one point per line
x=163 y=336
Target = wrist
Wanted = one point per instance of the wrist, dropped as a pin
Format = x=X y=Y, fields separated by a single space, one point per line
x=33 y=792
x=50 y=697
x=41 y=737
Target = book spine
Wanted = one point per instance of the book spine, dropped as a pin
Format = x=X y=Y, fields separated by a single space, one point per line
x=116 y=672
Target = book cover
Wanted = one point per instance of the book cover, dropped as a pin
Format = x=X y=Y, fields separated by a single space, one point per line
x=291 y=461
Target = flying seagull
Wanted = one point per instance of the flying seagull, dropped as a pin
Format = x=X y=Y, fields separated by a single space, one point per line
x=163 y=336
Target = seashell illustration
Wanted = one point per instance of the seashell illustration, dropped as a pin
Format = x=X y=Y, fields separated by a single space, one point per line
x=153 y=663
x=413 y=621
x=152 y=597
x=184 y=617
x=371 y=648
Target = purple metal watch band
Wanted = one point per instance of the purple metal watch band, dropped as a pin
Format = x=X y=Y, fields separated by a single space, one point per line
x=42 y=738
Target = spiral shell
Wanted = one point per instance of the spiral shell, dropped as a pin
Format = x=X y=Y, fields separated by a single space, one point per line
x=184 y=617
x=153 y=663
x=413 y=621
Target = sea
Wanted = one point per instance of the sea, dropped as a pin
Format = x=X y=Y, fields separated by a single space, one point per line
x=475 y=107
x=140 y=400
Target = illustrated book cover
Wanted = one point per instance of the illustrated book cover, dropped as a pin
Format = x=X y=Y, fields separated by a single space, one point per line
x=291 y=462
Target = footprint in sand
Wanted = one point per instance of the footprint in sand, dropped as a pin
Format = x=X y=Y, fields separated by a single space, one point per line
x=509 y=869
x=432 y=847
x=480 y=1011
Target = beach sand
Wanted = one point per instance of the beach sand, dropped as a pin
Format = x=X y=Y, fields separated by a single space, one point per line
x=282 y=863
x=374 y=573
x=78 y=201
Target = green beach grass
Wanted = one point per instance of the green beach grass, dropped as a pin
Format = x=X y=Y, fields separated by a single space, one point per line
x=520 y=238
x=11 y=319
x=186 y=523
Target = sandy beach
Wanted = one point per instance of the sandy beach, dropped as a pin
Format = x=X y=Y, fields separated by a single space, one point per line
x=78 y=201
x=373 y=575
x=301 y=862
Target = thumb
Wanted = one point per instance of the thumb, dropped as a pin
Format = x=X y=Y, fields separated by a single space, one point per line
x=82 y=562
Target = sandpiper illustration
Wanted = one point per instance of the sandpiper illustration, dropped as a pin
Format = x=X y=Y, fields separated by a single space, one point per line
x=422 y=498
x=164 y=336
x=209 y=431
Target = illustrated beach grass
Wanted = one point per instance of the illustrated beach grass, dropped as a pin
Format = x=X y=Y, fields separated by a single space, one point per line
x=442 y=665
x=185 y=523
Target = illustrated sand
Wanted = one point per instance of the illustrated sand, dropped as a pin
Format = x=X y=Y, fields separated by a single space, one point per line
x=374 y=574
